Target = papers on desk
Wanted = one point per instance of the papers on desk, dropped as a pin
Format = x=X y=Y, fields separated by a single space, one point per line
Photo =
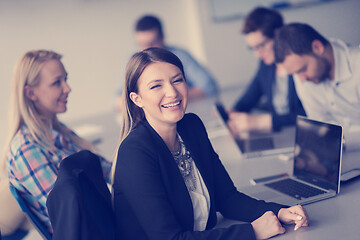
x=87 y=130
x=215 y=133
x=215 y=129
x=350 y=165
x=350 y=174
x=91 y=132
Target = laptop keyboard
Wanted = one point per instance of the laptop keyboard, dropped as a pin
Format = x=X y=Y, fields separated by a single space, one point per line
x=294 y=189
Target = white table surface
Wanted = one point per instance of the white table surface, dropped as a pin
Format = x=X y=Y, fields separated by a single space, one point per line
x=335 y=218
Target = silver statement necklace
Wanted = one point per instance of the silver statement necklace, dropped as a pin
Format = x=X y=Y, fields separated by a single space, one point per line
x=184 y=161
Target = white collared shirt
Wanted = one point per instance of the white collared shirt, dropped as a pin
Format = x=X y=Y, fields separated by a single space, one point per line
x=280 y=95
x=336 y=101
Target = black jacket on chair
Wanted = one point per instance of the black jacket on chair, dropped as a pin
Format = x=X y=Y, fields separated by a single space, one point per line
x=80 y=203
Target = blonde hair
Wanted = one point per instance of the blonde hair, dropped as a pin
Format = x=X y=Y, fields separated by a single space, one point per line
x=23 y=111
x=132 y=115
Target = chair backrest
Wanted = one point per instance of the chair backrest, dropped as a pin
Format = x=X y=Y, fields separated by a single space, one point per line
x=36 y=222
x=79 y=205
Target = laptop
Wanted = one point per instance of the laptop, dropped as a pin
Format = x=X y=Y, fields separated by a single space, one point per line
x=257 y=143
x=316 y=167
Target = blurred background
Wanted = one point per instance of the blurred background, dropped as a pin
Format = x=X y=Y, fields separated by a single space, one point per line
x=96 y=39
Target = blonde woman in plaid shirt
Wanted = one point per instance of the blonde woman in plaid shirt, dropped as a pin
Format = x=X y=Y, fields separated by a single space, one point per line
x=37 y=140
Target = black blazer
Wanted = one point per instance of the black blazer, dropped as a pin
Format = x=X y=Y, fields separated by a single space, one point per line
x=151 y=200
x=262 y=85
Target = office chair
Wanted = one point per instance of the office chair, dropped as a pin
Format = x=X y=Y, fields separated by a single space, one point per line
x=36 y=222
x=79 y=205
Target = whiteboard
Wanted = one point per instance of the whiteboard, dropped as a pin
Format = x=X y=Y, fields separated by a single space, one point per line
x=227 y=10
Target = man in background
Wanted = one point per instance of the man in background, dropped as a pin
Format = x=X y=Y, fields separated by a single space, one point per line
x=326 y=75
x=271 y=82
x=149 y=33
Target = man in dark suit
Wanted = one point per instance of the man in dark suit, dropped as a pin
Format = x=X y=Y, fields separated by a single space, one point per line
x=282 y=104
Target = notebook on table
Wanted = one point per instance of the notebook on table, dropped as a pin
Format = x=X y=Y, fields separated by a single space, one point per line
x=256 y=143
x=316 y=167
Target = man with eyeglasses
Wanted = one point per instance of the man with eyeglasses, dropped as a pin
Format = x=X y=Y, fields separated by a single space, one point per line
x=270 y=82
x=326 y=74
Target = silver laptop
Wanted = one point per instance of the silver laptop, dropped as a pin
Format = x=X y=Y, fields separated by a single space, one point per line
x=316 y=170
x=258 y=143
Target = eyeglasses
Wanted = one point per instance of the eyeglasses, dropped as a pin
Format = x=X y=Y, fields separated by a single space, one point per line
x=259 y=46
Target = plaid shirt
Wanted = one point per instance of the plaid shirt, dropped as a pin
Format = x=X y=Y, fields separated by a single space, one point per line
x=33 y=169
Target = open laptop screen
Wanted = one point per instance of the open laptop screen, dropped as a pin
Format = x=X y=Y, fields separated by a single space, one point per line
x=252 y=141
x=318 y=153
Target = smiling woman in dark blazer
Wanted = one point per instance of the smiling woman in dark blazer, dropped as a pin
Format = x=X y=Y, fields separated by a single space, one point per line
x=168 y=181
